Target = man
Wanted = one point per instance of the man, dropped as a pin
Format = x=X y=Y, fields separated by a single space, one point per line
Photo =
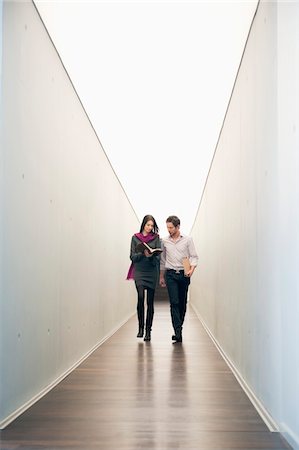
x=175 y=248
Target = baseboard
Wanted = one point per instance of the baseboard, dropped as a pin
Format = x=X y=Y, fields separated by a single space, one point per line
x=262 y=411
x=290 y=437
x=48 y=388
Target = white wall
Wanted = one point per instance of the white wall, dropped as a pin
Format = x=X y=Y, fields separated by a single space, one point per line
x=246 y=231
x=67 y=222
x=288 y=181
x=1 y=186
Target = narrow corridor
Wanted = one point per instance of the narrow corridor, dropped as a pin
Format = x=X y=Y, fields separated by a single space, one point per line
x=131 y=395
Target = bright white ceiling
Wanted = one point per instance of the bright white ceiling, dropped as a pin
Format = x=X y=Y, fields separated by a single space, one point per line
x=155 y=78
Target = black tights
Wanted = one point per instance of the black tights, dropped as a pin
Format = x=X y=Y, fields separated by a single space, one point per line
x=150 y=307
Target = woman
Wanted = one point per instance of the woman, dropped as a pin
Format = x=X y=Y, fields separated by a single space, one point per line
x=145 y=270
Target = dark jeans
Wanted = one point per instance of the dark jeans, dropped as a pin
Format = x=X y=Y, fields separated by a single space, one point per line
x=177 y=286
x=150 y=307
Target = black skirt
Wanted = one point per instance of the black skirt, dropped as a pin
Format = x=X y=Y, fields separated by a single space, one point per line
x=146 y=278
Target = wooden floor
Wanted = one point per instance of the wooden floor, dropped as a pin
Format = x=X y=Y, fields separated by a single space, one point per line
x=131 y=395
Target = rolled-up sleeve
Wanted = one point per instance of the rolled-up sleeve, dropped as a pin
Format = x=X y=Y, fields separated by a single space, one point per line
x=193 y=257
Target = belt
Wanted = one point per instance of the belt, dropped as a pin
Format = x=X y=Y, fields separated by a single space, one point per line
x=175 y=271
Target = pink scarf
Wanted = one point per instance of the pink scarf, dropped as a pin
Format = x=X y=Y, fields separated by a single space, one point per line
x=148 y=238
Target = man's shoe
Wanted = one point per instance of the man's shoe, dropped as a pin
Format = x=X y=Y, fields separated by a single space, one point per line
x=177 y=338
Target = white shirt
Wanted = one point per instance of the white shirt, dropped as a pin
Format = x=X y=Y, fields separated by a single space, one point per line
x=174 y=250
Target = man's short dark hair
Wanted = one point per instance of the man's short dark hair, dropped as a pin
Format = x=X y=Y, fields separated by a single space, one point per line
x=174 y=220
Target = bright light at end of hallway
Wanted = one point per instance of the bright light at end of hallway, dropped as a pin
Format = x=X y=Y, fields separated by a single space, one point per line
x=155 y=78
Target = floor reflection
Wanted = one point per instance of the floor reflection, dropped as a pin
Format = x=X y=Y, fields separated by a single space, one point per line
x=145 y=402
x=144 y=375
x=178 y=380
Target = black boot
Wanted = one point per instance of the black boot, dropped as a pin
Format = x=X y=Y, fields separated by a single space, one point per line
x=140 y=332
x=147 y=336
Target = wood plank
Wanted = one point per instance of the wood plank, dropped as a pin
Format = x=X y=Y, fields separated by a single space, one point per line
x=130 y=394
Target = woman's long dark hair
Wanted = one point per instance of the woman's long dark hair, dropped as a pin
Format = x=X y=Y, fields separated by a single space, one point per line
x=145 y=220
